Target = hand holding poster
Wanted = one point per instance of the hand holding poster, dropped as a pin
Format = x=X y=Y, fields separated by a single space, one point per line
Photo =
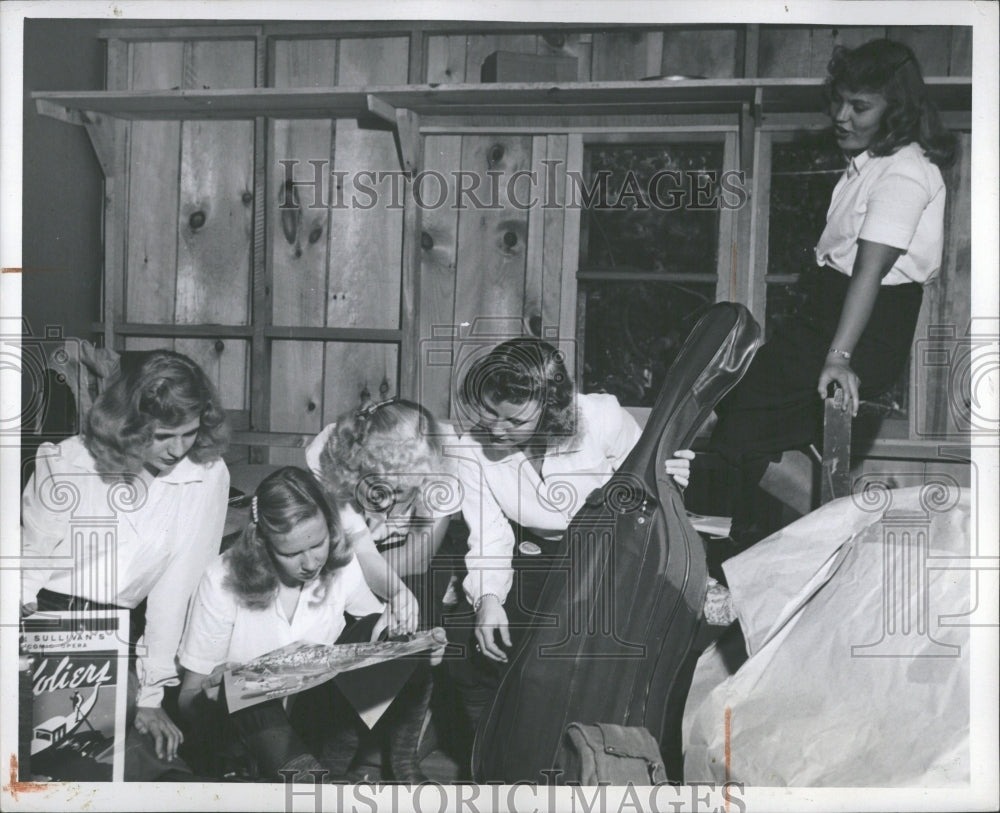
x=300 y=666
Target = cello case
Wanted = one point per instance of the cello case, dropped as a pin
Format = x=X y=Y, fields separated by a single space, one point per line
x=620 y=608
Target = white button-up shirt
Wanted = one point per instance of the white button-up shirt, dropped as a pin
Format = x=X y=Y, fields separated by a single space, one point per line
x=501 y=486
x=119 y=543
x=897 y=200
x=221 y=628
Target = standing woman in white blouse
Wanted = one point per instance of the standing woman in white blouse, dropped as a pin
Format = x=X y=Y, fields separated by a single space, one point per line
x=882 y=243
x=149 y=463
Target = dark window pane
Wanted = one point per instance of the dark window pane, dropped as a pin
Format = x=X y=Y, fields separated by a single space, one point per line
x=783 y=302
x=646 y=220
x=633 y=332
x=803 y=174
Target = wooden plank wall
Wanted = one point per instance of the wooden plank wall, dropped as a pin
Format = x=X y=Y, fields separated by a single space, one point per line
x=298 y=239
x=705 y=51
x=491 y=271
x=438 y=274
x=366 y=245
x=188 y=229
x=805 y=51
x=333 y=264
x=189 y=206
x=939 y=398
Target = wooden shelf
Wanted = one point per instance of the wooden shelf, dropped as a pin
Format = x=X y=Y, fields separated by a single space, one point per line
x=568 y=99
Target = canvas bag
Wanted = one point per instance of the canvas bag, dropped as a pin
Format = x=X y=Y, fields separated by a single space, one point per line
x=606 y=754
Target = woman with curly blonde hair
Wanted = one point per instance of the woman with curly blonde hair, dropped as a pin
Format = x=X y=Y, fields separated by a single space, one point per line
x=149 y=460
x=385 y=466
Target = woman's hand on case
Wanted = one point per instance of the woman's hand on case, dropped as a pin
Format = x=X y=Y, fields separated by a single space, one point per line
x=836 y=370
x=490 y=619
x=679 y=467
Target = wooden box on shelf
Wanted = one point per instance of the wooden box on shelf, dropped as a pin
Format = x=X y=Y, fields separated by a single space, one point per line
x=507 y=66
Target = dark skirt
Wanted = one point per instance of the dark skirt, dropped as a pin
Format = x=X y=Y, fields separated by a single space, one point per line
x=776 y=407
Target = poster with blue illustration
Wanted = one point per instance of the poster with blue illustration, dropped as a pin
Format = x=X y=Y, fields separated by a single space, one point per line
x=74 y=677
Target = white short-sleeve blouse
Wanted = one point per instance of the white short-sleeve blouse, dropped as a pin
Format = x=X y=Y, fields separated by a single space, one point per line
x=222 y=628
x=897 y=200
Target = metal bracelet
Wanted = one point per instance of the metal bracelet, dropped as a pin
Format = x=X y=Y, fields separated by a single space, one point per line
x=833 y=351
x=479 y=601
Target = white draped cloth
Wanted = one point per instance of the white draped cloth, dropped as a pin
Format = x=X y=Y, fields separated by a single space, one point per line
x=856 y=671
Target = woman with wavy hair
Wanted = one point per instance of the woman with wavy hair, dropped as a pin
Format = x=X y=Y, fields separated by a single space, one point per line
x=384 y=465
x=149 y=461
x=537 y=448
x=290 y=577
x=882 y=243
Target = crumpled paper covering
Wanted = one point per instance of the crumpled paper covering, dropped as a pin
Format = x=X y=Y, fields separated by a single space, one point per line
x=813 y=704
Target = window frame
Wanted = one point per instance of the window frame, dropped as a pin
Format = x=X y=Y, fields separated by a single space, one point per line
x=728 y=245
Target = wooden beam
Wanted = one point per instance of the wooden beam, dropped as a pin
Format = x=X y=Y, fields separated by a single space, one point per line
x=681 y=125
x=179 y=331
x=115 y=207
x=408 y=140
x=410 y=349
x=379 y=107
x=406 y=131
x=760 y=216
x=334 y=334
x=410 y=145
x=287 y=440
x=725 y=261
x=180 y=32
x=261 y=270
x=622 y=274
x=322 y=29
x=568 y=310
x=746 y=139
x=53 y=110
x=530 y=98
x=416 y=73
x=835 y=477
x=106 y=137
x=751 y=50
